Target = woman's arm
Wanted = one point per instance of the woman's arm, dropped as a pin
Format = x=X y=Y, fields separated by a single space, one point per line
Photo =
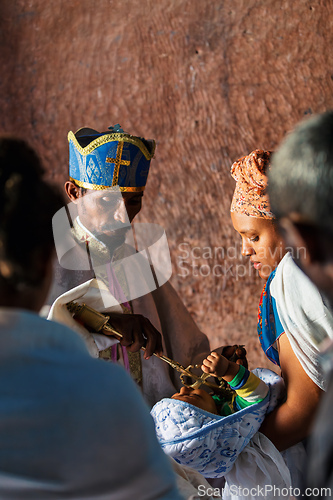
x=291 y=422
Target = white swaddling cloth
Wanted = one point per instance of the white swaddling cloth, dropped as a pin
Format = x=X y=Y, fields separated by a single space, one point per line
x=211 y=443
x=94 y=294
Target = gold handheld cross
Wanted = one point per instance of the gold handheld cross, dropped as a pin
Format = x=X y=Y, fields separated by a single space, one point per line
x=100 y=323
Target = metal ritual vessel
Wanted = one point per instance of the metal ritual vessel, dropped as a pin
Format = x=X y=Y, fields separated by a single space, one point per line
x=99 y=322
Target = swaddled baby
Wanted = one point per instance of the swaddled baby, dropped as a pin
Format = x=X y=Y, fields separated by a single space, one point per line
x=199 y=430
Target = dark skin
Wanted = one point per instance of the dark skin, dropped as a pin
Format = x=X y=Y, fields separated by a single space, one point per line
x=110 y=214
x=312 y=250
x=104 y=210
x=264 y=255
x=216 y=365
x=95 y=212
x=260 y=242
x=237 y=353
x=196 y=397
x=290 y=422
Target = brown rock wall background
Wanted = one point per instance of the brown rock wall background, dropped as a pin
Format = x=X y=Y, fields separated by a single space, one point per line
x=210 y=81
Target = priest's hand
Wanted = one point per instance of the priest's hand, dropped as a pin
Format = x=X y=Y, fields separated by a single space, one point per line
x=136 y=331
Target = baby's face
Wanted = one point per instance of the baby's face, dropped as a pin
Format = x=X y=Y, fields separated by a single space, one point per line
x=196 y=397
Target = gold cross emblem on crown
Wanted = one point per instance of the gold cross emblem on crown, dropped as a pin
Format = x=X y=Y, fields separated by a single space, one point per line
x=117 y=162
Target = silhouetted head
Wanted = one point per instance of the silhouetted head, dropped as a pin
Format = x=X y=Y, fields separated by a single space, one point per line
x=27 y=204
x=301 y=194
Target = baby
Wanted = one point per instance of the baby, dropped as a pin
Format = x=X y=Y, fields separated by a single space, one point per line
x=249 y=389
x=207 y=432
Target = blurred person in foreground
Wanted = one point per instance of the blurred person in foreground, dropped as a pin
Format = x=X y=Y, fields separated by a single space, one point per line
x=70 y=426
x=301 y=194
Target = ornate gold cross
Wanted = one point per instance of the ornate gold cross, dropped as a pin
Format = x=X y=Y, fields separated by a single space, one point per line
x=117 y=162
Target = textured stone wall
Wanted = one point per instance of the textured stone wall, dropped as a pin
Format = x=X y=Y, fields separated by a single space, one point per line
x=210 y=81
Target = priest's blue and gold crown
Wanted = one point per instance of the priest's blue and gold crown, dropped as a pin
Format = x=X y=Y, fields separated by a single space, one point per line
x=102 y=160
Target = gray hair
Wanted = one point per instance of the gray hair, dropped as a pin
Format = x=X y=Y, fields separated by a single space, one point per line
x=301 y=177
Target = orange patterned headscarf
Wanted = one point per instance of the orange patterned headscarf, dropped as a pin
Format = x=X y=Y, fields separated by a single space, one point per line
x=250 y=195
